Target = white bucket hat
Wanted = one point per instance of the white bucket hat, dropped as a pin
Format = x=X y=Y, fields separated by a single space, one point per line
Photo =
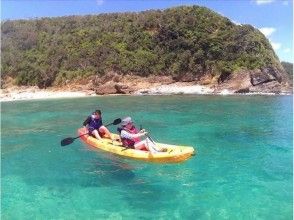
x=126 y=121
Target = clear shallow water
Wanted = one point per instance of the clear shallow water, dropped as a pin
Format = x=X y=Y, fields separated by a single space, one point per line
x=243 y=167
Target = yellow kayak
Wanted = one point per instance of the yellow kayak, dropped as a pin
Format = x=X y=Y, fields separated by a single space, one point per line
x=174 y=153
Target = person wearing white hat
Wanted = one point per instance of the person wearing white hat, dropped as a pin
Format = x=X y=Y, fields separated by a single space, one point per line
x=131 y=137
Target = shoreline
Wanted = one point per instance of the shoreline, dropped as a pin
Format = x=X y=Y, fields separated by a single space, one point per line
x=199 y=90
x=34 y=93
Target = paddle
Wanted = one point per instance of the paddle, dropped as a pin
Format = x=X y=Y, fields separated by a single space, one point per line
x=70 y=140
x=149 y=139
x=147 y=136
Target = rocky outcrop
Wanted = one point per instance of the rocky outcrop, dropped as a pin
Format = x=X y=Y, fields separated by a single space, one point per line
x=266 y=80
x=110 y=84
x=242 y=91
x=225 y=76
x=113 y=83
x=110 y=76
x=240 y=81
x=108 y=88
x=162 y=79
x=271 y=87
x=185 y=77
x=123 y=89
x=265 y=75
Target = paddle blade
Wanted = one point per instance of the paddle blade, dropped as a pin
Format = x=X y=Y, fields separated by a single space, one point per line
x=67 y=141
x=116 y=121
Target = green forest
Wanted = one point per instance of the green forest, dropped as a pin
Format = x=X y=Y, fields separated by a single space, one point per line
x=289 y=69
x=175 y=41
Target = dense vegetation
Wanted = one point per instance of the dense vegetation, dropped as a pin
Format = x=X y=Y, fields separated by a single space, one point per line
x=175 y=41
x=289 y=69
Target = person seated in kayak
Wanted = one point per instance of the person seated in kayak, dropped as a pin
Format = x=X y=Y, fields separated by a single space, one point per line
x=131 y=137
x=95 y=126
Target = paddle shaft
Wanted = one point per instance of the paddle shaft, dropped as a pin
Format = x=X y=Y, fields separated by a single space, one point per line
x=108 y=124
x=148 y=136
x=81 y=135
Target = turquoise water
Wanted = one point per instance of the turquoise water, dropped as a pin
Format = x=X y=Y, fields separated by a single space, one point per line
x=242 y=170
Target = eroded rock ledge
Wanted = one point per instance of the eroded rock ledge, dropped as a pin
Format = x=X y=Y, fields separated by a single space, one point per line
x=268 y=80
x=262 y=81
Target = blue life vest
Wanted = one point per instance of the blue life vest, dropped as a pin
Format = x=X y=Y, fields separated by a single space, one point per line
x=95 y=124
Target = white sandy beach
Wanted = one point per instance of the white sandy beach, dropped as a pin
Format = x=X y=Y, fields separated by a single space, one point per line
x=179 y=89
x=30 y=93
x=176 y=88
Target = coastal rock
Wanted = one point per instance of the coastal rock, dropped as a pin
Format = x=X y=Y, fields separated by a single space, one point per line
x=110 y=76
x=123 y=89
x=207 y=79
x=245 y=90
x=260 y=76
x=108 y=88
x=162 y=79
x=234 y=82
x=271 y=87
x=266 y=80
x=113 y=88
x=270 y=80
x=186 y=77
x=225 y=76
x=143 y=92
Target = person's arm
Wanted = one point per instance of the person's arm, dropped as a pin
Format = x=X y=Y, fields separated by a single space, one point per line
x=87 y=121
x=125 y=134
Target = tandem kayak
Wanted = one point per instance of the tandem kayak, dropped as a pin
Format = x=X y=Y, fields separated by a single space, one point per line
x=174 y=153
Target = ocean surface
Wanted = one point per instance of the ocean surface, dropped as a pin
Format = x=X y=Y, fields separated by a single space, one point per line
x=242 y=170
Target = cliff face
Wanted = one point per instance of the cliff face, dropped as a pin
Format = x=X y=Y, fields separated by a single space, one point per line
x=189 y=44
x=264 y=80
